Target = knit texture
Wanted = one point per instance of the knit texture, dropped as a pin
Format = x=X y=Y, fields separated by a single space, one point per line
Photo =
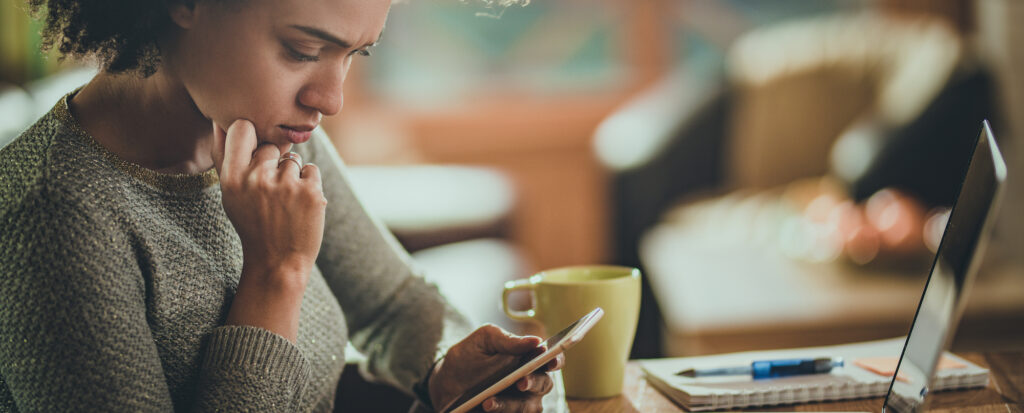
x=115 y=282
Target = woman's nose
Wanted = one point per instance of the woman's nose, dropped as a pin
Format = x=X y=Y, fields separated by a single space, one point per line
x=325 y=93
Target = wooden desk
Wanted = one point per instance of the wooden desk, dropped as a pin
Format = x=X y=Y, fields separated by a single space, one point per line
x=1003 y=394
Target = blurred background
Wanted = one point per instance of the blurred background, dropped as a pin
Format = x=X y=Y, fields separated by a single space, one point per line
x=780 y=170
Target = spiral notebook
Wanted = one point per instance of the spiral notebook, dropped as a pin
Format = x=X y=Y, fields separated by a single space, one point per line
x=848 y=382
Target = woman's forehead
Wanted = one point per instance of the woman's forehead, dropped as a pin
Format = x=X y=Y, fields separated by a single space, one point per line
x=355 y=21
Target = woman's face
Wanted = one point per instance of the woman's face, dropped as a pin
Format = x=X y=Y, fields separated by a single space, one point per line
x=278 y=63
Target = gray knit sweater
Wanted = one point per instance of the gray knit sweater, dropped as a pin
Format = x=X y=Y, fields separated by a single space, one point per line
x=115 y=282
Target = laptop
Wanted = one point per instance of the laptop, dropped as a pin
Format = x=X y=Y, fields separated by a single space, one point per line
x=952 y=274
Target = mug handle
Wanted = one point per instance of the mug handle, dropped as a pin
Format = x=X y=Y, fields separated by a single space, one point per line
x=511 y=286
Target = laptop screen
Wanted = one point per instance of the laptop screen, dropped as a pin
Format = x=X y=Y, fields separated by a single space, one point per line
x=951 y=276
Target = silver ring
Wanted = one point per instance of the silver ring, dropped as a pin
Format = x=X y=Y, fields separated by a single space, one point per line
x=290 y=156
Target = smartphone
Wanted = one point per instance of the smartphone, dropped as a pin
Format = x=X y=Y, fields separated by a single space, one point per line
x=506 y=376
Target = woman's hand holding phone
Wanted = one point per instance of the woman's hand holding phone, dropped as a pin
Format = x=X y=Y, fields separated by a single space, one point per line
x=278 y=208
x=479 y=356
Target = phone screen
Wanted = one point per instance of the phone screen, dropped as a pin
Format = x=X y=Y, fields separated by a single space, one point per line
x=514 y=364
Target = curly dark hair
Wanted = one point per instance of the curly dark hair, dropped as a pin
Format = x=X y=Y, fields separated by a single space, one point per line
x=120 y=35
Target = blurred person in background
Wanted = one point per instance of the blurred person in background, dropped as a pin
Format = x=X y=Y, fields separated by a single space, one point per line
x=164 y=249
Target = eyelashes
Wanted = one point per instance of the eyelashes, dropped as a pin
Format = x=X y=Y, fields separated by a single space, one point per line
x=299 y=56
x=302 y=57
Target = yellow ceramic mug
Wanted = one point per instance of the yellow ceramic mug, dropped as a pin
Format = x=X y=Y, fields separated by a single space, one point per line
x=596 y=366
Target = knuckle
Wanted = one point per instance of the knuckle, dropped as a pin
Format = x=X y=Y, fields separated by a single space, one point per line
x=509 y=404
x=268 y=172
x=271 y=149
x=488 y=330
x=260 y=182
x=312 y=194
x=455 y=351
x=267 y=152
x=548 y=384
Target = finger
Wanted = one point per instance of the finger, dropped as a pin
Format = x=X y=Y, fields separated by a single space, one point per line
x=539 y=383
x=491 y=405
x=289 y=165
x=266 y=155
x=495 y=340
x=311 y=173
x=218 y=147
x=557 y=363
x=513 y=404
x=239 y=144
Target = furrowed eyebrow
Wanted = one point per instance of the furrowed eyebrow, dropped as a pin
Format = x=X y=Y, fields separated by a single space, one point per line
x=315 y=32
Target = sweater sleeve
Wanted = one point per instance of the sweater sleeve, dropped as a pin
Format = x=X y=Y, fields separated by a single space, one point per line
x=74 y=334
x=398 y=320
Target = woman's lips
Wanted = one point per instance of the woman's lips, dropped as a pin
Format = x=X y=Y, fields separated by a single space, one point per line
x=297 y=134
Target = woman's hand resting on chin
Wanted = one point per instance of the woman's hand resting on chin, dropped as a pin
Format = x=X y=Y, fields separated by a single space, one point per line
x=277 y=206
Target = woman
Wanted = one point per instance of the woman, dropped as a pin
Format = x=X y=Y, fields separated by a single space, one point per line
x=163 y=248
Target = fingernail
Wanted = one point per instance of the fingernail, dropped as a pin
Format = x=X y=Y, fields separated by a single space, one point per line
x=524 y=384
x=490 y=405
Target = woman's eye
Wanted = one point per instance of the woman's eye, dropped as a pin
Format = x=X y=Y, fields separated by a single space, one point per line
x=361 y=52
x=302 y=57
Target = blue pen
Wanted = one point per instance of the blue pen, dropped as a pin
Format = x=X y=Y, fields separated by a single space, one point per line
x=767 y=369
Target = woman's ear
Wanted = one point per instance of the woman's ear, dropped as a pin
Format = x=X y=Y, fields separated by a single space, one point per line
x=183 y=13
